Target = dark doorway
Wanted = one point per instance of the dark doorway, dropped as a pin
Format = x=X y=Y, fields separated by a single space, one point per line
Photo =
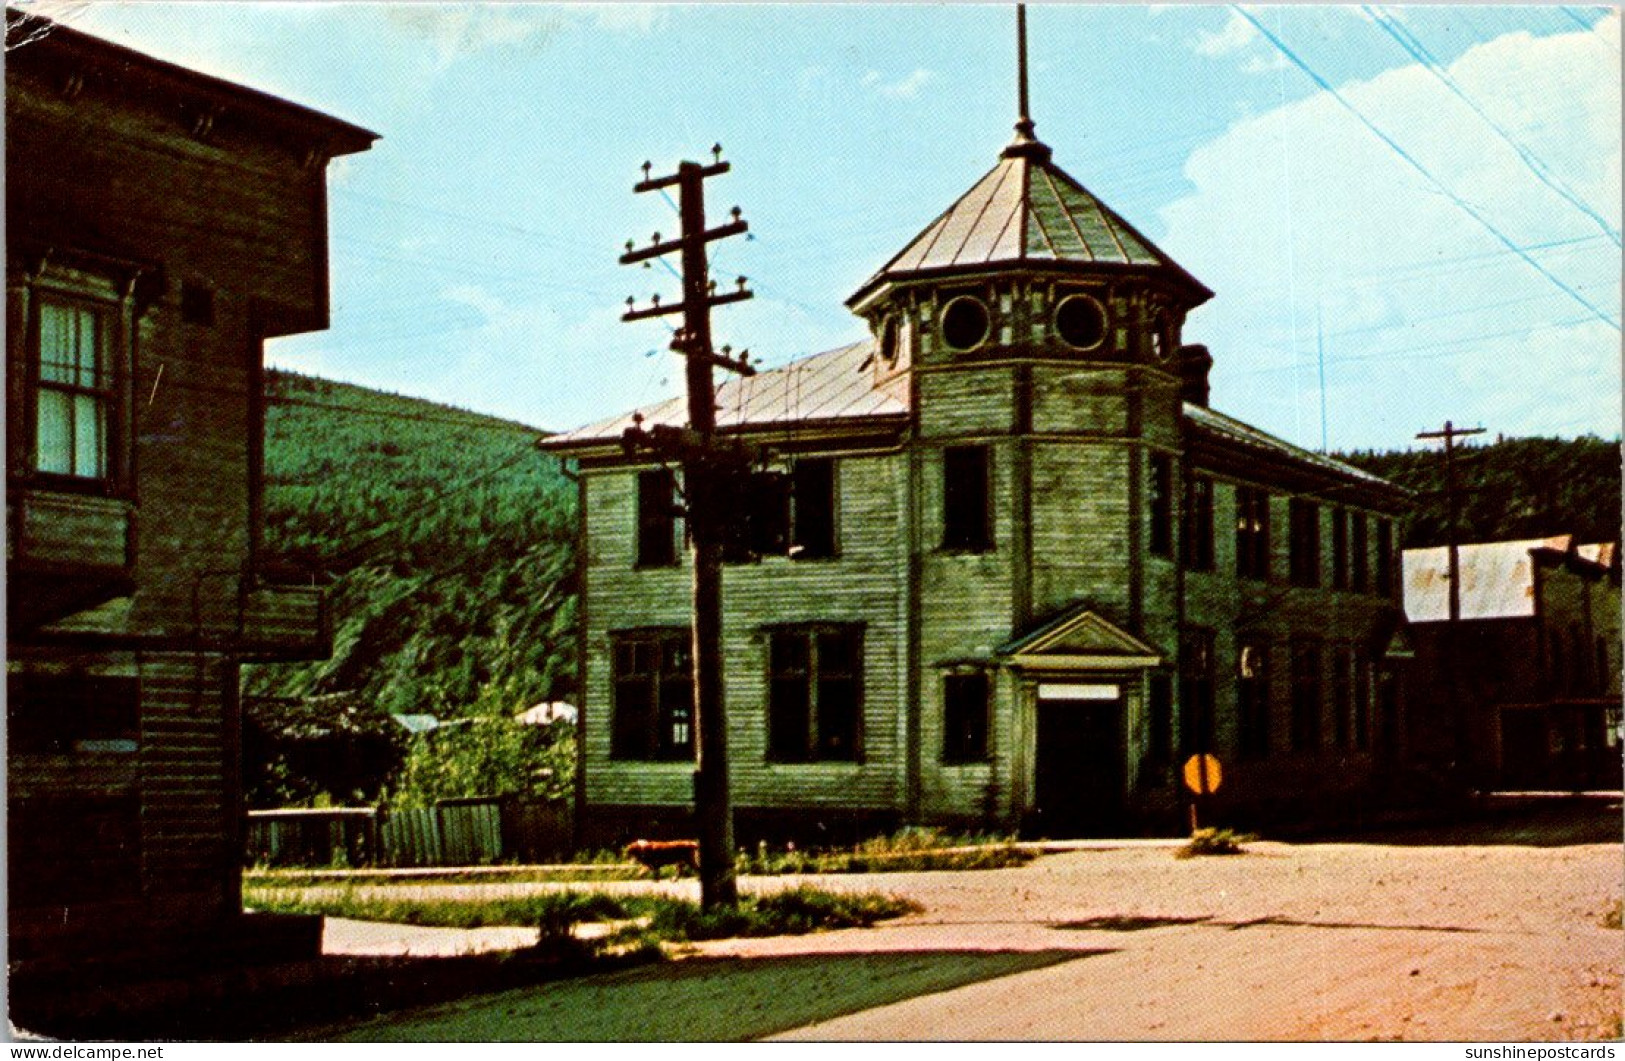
x=1523 y=749
x=1078 y=772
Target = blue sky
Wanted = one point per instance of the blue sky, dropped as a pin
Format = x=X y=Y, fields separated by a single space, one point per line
x=1429 y=195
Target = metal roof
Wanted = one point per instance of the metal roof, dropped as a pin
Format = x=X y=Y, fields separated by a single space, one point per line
x=1229 y=428
x=1497 y=579
x=1026 y=211
x=838 y=385
x=842 y=386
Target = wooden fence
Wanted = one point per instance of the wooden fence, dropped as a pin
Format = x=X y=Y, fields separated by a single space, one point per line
x=455 y=832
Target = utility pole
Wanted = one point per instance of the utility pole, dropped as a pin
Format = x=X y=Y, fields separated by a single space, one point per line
x=1450 y=432
x=708 y=471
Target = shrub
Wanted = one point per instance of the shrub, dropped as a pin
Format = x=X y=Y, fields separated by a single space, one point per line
x=912 y=849
x=1214 y=842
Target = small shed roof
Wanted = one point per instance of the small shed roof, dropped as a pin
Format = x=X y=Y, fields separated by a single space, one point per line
x=1497 y=579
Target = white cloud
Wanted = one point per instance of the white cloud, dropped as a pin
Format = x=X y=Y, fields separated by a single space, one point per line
x=1234 y=36
x=1426 y=315
x=906 y=87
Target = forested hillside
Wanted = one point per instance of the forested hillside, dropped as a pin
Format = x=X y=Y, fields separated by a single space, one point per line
x=445 y=539
x=1510 y=489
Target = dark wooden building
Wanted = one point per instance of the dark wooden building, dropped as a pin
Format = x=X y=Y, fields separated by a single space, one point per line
x=1529 y=697
x=1021 y=569
x=161 y=225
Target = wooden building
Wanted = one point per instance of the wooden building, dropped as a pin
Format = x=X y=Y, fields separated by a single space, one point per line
x=161 y=225
x=1533 y=681
x=1020 y=570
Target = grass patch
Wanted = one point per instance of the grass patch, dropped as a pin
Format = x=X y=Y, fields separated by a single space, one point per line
x=1215 y=842
x=560 y=874
x=911 y=849
x=656 y=918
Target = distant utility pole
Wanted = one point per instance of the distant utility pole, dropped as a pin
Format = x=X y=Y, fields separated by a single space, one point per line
x=709 y=471
x=1450 y=432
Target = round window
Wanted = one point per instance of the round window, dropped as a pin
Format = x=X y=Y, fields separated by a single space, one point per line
x=964 y=323
x=1081 y=321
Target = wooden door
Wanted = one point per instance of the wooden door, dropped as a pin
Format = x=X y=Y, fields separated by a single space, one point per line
x=1078 y=769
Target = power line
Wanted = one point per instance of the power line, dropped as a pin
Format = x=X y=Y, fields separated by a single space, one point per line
x=1391 y=25
x=1411 y=160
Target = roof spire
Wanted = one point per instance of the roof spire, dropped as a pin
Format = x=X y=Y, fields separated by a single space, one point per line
x=1024 y=122
x=1025 y=145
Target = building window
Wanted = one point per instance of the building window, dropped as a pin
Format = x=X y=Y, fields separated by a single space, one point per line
x=657 y=518
x=1359 y=569
x=965 y=323
x=965 y=705
x=74 y=389
x=1385 y=558
x=1253 y=700
x=1159 y=729
x=653 y=686
x=1342 y=694
x=1362 y=700
x=1199 y=523
x=1305 y=696
x=60 y=713
x=812 y=509
x=966 y=523
x=1081 y=322
x=1340 y=549
x=1162 y=504
x=1252 y=533
x=1304 y=558
x=1196 y=692
x=815 y=682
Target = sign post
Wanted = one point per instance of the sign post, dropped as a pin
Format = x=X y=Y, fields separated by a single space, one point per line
x=1202 y=777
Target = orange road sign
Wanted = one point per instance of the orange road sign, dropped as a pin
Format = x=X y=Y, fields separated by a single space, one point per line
x=1202 y=774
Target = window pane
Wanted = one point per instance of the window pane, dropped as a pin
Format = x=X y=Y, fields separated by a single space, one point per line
x=838 y=718
x=88 y=348
x=657 y=539
x=788 y=718
x=964 y=722
x=788 y=654
x=634 y=711
x=837 y=654
x=813 y=493
x=57 y=343
x=87 y=436
x=965 y=498
x=54 y=438
x=676 y=718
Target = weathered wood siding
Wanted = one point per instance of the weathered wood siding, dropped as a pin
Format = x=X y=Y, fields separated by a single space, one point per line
x=865 y=584
x=1274 y=612
x=134 y=167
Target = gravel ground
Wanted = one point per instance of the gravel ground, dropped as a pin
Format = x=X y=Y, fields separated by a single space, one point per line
x=1345 y=941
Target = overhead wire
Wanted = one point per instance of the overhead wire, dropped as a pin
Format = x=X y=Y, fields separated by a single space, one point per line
x=1391 y=25
x=1411 y=160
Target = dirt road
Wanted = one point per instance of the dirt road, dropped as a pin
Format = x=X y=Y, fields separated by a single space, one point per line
x=1312 y=942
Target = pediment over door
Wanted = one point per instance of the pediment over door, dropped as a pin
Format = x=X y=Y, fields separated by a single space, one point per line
x=1080 y=640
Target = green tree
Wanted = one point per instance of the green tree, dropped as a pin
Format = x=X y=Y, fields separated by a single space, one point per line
x=486 y=753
